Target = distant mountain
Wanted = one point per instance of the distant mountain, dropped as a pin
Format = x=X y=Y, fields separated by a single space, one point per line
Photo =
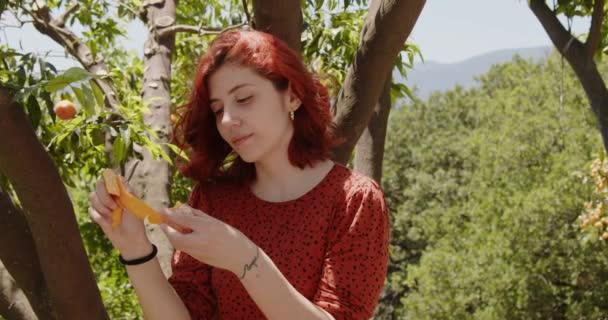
x=432 y=76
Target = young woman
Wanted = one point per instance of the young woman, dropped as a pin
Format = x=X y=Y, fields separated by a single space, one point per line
x=279 y=231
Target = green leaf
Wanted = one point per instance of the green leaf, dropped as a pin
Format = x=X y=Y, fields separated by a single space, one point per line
x=74 y=138
x=177 y=151
x=165 y=156
x=97 y=136
x=318 y=5
x=49 y=104
x=125 y=133
x=9 y=54
x=74 y=74
x=21 y=77
x=119 y=150
x=79 y=95
x=58 y=139
x=89 y=104
x=43 y=70
x=33 y=109
x=99 y=98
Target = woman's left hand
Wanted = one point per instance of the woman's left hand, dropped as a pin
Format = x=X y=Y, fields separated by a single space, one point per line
x=211 y=241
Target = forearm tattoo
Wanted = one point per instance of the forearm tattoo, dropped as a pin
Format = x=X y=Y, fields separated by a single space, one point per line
x=250 y=266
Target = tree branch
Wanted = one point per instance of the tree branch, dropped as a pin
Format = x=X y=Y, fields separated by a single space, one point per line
x=595 y=30
x=580 y=59
x=561 y=38
x=13 y=303
x=19 y=256
x=247 y=14
x=17 y=18
x=200 y=30
x=64 y=17
x=281 y=18
x=47 y=207
x=369 y=152
x=386 y=27
x=56 y=30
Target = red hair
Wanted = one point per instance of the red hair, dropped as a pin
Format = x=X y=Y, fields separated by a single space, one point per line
x=211 y=158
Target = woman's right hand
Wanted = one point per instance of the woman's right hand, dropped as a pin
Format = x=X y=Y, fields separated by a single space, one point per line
x=129 y=237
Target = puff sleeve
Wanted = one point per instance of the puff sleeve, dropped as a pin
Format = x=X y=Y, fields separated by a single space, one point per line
x=355 y=263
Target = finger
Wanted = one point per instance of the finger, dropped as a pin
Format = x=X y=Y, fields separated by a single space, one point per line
x=104 y=196
x=177 y=238
x=99 y=219
x=176 y=223
x=188 y=210
x=180 y=228
x=98 y=206
x=181 y=217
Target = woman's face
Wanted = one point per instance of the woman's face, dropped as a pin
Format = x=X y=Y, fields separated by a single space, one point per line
x=252 y=116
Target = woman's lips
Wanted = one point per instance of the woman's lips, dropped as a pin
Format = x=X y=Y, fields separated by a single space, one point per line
x=240 y=140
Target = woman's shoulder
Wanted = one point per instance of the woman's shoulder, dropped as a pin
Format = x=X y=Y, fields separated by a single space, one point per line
x=360 y=206
x=353 y=183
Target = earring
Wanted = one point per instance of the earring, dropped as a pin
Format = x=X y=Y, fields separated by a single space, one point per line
x=291 y=115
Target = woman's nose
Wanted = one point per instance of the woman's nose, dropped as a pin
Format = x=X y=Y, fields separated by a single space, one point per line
x=229 y=118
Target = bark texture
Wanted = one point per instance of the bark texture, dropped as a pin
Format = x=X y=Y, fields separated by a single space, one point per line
x=13 y=302
x=19 y=260
x=48 y=210
x=152 y=178
x=386 y=27
x=369 y=152
x=281 y=18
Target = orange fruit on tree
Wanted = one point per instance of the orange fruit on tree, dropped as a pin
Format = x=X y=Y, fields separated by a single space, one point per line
x=65 y=109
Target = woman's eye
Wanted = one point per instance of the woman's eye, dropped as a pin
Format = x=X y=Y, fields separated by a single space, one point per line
x=218 y=111
x=242 y=100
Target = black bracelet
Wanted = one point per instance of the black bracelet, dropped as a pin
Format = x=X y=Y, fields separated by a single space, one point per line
x=139 y=260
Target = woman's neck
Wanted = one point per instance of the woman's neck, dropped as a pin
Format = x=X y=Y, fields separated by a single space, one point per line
x=281 y=181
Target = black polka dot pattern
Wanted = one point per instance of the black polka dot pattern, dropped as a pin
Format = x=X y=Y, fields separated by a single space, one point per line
x=331 y=244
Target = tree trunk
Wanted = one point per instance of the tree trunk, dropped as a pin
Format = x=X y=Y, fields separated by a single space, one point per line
x=281 y=18
x=13 y=302
x=20 y=259
x=152 y=178
x=580 y=57
x=385 y=30
x=48 y=210
x=386 y=27
x=369 y=152
x=595 y=89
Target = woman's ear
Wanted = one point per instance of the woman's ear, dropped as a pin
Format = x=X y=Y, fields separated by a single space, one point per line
x=293 y=102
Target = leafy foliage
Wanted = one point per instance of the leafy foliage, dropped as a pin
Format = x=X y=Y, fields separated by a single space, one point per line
x=583 y=9
x=486 y=186
x=330 y=39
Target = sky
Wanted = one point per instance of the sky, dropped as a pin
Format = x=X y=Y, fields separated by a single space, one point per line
x=450 y=31
x=447 y=31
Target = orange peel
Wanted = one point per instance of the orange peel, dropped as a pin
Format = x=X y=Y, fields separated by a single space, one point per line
x=127 y=201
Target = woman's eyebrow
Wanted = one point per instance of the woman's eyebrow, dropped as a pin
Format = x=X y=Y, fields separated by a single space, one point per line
x=238 y=86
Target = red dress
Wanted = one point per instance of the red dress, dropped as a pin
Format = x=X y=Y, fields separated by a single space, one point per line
x=331 y=244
